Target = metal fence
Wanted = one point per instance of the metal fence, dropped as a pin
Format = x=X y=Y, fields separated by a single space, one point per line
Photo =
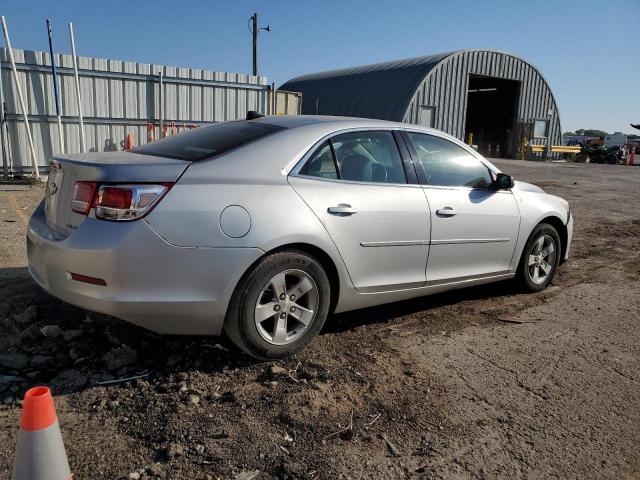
x=118 y=98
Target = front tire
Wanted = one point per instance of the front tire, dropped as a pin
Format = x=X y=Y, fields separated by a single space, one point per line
x=279 y=306
x=540 y=258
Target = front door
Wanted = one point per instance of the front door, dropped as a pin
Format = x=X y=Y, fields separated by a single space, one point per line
x=356 y=184
x=474 y=229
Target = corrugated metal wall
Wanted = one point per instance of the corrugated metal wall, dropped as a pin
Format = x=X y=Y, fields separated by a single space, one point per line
x=445 y=88
x=118 y=98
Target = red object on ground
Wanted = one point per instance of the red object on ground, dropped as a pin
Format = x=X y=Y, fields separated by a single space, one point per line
x=149 y=132
x=38 y=411
x=40 y=453
x=129 y=144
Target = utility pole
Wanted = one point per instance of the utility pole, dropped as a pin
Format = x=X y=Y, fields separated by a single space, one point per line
x=255 y=28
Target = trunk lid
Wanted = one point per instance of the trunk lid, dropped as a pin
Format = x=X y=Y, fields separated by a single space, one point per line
x=110 y=167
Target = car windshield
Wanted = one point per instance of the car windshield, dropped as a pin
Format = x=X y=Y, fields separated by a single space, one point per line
x=208 y=141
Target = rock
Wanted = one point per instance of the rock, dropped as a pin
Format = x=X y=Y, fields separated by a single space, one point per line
x=30 y=333
x=28 y=316
x=174 y=359
x=14 y=361
x=134 y=476
x=195 y=399
x=7 y=381
x=69 y=380
x=73 y=354
x=120 y=357
x=251 y=474
x=174 y=450
x=154 y=469
x=277 y=370
x=41 y=361
x=51 y=331
x=7 y=341
x=71 y=335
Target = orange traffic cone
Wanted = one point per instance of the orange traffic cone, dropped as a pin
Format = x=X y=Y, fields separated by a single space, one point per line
x=40 y=452
x=129 y=144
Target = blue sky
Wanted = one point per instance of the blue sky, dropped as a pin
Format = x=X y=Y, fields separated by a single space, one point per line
x=588 y=51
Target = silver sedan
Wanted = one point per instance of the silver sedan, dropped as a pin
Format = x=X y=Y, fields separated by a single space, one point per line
x=262 y=228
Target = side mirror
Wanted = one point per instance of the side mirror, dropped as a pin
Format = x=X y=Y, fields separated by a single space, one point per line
x=503 y=182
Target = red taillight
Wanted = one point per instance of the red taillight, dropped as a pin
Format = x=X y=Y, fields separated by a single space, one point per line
x=82 y=200
x=115 y=197
x=117 y=202
x=128 y=202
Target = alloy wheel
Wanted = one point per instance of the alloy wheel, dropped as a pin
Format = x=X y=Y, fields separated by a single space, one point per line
x=542 y=259
x=286 y=307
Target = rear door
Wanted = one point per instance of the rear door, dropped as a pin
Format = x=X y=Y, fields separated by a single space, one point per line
x=474 y=228
x=356 y=183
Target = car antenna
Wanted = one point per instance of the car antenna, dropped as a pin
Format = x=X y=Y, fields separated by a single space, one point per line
x=252 y=115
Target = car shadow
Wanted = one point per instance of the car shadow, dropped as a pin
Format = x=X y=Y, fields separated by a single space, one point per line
x=341 y=322
x=46 y=341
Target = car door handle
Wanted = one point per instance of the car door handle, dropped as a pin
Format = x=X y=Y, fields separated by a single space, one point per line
x=446 y=212
x=342 y=209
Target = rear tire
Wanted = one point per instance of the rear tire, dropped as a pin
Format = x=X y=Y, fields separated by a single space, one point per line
x=279 y=306
x=540 y=259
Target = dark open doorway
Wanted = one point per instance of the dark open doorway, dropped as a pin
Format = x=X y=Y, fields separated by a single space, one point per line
x=491 y=115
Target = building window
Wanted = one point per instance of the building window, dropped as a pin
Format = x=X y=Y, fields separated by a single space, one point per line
x=541 y=128
x=427 y=116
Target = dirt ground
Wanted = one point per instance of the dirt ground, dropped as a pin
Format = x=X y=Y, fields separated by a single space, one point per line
x=439 y=387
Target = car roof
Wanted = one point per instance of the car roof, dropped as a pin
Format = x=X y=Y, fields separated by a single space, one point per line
x=328 y=123
x=294 y=121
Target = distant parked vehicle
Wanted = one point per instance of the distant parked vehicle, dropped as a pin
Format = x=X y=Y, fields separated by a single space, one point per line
x=615 y=140
x=599 y=154
x=263 y=227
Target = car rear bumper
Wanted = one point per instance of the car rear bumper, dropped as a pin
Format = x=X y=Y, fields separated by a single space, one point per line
x=149 y=282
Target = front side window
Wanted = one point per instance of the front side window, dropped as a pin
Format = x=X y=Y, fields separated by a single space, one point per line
x=447 y=164
x=370 y=156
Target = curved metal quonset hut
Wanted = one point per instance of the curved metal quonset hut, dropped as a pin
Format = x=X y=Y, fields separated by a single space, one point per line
x=498 y=98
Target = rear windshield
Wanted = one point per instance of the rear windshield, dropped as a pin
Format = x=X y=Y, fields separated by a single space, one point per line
x=208 y=141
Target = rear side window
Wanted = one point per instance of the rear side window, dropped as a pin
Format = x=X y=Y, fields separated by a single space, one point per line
x=369 y=156
x=208 y=141
x=321 y=164
x=448 y=165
